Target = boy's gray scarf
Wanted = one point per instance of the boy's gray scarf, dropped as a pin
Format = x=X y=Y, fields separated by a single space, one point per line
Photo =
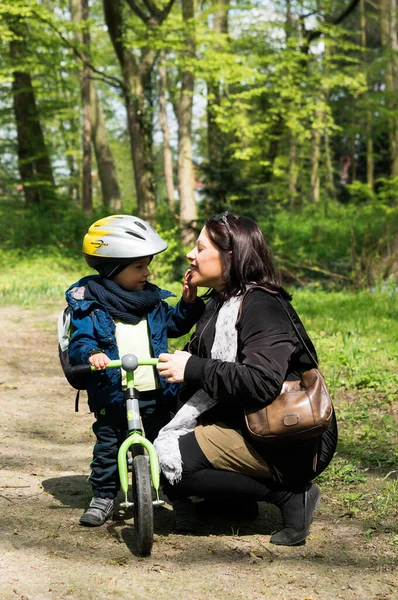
x=224 y=347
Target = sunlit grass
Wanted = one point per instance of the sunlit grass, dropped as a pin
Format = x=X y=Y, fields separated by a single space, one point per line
x=39 y=277
x=354 y=336
x=36 y=278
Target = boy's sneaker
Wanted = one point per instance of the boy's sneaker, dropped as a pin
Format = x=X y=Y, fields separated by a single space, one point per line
x=99 y=511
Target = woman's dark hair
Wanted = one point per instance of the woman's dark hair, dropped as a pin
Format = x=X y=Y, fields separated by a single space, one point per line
x=244 y=254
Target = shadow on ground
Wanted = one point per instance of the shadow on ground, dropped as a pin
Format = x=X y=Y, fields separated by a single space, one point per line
x=71 y=491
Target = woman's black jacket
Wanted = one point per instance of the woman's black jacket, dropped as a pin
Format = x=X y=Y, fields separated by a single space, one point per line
x=269 y=353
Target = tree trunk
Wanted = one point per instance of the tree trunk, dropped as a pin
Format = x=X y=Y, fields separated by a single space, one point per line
x=188 y=212
x=353 y=160
x=33 y=158
x=368 y=114
x=87 y=191
x=139 y=127
x=140 y=149
x=215 y=137
x=167 y=153
x=370 y=166
x=315 y=160
x=293 y=170
x=330 y=187
x=103 y=155
x=106 y=166
x=73 y=164
x=329 y=165
x=70 y=128
x=388 y=27
x=293 y=166
x=394 y=61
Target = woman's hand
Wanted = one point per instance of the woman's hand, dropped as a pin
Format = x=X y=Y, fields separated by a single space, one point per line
x=99 y=360
x=189 y=291
x=172 y=366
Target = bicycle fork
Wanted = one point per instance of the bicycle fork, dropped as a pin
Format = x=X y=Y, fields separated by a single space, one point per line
x=135 y=438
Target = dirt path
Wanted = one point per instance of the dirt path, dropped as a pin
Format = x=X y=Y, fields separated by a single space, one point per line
x=45 y=452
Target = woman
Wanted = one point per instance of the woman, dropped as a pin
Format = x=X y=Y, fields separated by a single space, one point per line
x=239 y=356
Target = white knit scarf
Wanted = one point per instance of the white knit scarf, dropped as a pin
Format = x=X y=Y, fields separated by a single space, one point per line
x=224 y=347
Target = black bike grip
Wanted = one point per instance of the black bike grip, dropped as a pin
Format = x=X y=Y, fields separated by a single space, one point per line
x=81 y=370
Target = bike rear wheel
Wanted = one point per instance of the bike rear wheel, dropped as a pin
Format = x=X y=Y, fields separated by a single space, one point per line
x=143 y=508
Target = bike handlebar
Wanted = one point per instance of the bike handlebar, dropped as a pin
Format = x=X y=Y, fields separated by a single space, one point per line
x=128 y=362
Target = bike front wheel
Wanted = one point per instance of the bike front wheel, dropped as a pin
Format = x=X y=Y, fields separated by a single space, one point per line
x=143 y=507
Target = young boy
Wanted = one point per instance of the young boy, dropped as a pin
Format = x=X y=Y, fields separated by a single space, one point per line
x=116 y=313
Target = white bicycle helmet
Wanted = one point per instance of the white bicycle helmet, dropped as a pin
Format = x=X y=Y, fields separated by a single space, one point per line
x=118 y=240
x=122 y=236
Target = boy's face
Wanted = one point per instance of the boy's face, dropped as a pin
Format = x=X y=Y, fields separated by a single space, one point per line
x=134 y=277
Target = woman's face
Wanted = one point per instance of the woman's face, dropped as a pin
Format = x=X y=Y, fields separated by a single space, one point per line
x=206 y=266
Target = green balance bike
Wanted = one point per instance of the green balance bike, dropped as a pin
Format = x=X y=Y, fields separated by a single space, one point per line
x=137 y=456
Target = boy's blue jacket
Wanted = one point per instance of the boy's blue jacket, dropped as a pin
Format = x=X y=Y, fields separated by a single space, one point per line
x=94 y=329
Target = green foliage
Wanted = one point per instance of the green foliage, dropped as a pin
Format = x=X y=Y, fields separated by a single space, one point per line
x=388 y=190
x=346 y=247
x=360 y=192
x=272 y=93
x=27 y=229
x=170 y=265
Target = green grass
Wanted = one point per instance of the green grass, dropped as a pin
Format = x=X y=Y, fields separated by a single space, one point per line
x=43 y=277
x=356 y=338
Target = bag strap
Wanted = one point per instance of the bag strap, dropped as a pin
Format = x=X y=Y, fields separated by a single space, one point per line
x=279 y=299
x=296 y=329
x=77 y=401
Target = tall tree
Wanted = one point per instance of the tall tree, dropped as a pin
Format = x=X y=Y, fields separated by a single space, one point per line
x=167 y=151
x=368 y=114
x=188 y=211
x=99 y=137
x=389 y=35
x=316 y=137
x=136 y=67
x=293 y=141
x=87 y=191
x=216 y=138
x=33 y=158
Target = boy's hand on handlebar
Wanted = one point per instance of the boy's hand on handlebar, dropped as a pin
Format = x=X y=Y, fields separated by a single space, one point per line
x=99 y=360
x=172 y=366
x=189 y=291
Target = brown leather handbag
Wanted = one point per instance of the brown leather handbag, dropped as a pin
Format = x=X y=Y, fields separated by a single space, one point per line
x=303 y=409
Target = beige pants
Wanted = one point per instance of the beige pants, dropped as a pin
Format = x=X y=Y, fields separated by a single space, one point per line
x=226 y=449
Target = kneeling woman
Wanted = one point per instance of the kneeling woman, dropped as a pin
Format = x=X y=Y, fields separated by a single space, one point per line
x=239 y=356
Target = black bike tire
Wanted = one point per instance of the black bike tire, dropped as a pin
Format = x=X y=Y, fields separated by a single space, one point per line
x=143 y=507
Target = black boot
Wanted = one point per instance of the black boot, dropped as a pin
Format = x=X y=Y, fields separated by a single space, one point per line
x=184 y=516
x=297 y=511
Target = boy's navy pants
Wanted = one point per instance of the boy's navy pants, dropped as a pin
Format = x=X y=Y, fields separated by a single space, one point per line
x=110 y=430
